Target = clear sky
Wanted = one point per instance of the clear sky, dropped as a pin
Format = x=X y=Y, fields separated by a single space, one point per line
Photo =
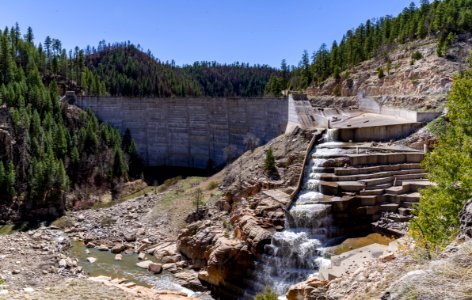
x=254 y=31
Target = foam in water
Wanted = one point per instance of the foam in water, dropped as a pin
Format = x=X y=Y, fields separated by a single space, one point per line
x=297 y=252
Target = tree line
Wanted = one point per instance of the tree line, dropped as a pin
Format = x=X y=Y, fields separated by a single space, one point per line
x=126 y=70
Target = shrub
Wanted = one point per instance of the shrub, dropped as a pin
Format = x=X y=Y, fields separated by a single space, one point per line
x=380 y=72
x=269 y=162
x=212 y=185
x=450 y=168
x=416 y=55
x=268 y=294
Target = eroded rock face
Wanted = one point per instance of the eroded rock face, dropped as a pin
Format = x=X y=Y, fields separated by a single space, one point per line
x=419 y=84
x=311 y=289
x=229 y=261
x=466 y=221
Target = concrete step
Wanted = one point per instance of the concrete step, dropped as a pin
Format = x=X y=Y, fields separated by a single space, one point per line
x=389 y=207
x=408 y=204
x=372 y=192
x=404 y=211
x=368 y=200
x=377 y=181
x=398 y=173
x=379 y=186
x=384 y=158
x=412 y=186
x=337 y=187
x=412 y=197
x=380 y=168
x=396 y=190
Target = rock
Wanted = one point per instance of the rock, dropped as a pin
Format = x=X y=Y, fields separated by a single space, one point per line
x=155 y=268
x=91 y=259
x=118 y=257
x=387 y=257
x=118 y=248
x=3 y=292
x=63 y=263
x=144 y=264
x=140 y=231
x=141 y=255
x=28 y=290
x=15 y=271
x=102 y=247
x=311 y=289
x=466 y=221
x=80 y=218
x=169 y=267
x=130 y=237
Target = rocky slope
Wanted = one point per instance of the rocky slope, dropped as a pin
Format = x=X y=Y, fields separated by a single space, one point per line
x=413 y=84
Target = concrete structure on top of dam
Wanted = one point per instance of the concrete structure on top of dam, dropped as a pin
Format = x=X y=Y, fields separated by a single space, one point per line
x=194 y=132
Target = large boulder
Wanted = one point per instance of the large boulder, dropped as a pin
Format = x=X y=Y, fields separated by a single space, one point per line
x=311 y=289
x=195 y=241
x=229 y=261
x=466 y=221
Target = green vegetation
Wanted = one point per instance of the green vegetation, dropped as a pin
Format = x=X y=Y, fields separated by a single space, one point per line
x=380 y=73
x=443 y=20
x=450 y=168
x=198 y=199
x=269 y=161
x=268 y=294
x=128 y=71
x=54 y=148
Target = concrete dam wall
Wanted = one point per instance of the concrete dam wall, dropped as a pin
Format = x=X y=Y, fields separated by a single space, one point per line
x=190 y=132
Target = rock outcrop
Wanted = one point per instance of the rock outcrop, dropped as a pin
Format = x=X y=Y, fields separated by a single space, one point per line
x=410 y=84
x=466 y=221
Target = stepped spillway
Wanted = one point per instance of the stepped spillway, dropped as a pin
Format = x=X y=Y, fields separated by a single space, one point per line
x=348 y=189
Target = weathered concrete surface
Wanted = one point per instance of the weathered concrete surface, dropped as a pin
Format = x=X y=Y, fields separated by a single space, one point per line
x=190 y=132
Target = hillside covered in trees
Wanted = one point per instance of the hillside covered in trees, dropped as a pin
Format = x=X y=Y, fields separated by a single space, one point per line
x=49 y=148
x=127 y=71
x=441 y=20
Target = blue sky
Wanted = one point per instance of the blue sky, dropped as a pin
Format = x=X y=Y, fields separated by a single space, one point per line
x=254 y=31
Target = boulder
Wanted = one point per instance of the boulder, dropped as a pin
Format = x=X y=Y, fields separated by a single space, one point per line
x=155 y=268
x=229 y=261
x=311 y=289
x=144 y=264
x=130 y=236
x=91 y=259
x=118 y=257
x=118 y=248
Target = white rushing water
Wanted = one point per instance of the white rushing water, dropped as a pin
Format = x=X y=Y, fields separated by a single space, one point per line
x=297 y=252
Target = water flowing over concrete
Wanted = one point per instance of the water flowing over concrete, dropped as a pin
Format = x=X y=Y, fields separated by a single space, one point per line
x=297 y=252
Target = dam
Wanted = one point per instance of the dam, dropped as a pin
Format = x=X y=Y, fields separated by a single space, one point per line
x=194 y=132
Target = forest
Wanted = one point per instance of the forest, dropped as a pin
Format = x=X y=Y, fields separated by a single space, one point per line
x=48 y=147
x=128 y=71
x=442 y=20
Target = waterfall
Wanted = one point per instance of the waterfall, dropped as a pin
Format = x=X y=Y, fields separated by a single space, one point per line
x=331 y=135
x=297 y=252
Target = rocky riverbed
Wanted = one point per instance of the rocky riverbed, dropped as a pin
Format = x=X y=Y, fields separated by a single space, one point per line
x=33 y=261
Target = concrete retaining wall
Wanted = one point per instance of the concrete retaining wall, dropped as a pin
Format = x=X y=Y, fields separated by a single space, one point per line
x=370 y=105
x=377 y=133
x=190 y=132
